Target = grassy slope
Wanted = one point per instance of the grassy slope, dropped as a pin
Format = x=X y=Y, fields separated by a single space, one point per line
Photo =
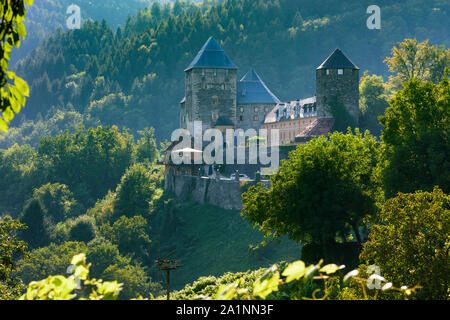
x=212 y=241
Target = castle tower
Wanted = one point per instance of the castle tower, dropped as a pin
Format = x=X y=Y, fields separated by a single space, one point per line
x=337 y=83
x=254 y=101
x=211 y=81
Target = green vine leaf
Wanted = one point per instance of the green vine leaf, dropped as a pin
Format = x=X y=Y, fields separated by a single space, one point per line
x=294 y=271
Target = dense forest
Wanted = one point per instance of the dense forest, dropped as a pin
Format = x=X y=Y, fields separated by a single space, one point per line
x=79 y=162
x=47 y=16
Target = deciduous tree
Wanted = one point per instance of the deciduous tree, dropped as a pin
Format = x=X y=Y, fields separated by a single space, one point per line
x=413 y=59
x=323 y=191
x=411 y=245
x=416 y=134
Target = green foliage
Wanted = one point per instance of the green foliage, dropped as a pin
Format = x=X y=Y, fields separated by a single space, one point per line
x=12 y=29
x=417 y=139
x=31 y=131
x=294 y=281
x=58 y=202
x=418 y=227
x=10 y=248
x=146 y=146
x=207 y=287
x=372 y=102
x=45 y=17
x=104 y=254
x=19 y=167
x=62 y=288
x=92 y=160
x=103 y=210
x=46 y=261
x=136 y=281
x=129 y=234
x=72 y=171
x=342 y=118
x=323 y=191
x=108 y=263
x=134 y=192
x=82 y=229
x=411 y=59
x=33 y=216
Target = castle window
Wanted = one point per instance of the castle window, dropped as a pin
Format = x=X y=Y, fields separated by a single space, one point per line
x=328 y=72
x=256 y=109
x=215 y=100
x=340 y=71
x=203 y=72
x=241 y=118
x=255 y=118
x=215 y=73
x=242 y=110
x=215 y=116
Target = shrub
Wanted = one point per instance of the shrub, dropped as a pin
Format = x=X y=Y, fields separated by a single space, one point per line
x=82 y=229
x=412 y=243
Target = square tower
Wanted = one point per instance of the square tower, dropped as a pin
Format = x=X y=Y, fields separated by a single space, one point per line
x=337 y=84
x=211 y=81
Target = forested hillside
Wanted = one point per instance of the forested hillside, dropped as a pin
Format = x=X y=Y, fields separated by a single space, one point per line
x=47 y=16
x=133 y=76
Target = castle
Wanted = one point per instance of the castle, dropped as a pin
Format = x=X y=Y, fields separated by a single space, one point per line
x=215 y=97
x=218 y=100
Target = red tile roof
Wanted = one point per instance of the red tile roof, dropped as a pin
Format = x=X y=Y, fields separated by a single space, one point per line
x=319 y=127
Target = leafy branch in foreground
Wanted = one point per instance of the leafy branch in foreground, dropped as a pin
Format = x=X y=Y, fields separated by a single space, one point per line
x=296 y=277
x=12 y=28
x=79 y=283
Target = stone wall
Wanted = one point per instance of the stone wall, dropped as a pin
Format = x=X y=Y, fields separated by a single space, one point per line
x=209 y=94
x=344 y=87
x=251 y=116
x=226 y=194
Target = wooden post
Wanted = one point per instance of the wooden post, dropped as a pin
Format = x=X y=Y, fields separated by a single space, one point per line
x=168 y=265
x=168 y=284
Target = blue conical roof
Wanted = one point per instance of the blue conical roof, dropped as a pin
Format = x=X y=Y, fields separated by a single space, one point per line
x=251 y=89
x=212 y=56
x=338 y=60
